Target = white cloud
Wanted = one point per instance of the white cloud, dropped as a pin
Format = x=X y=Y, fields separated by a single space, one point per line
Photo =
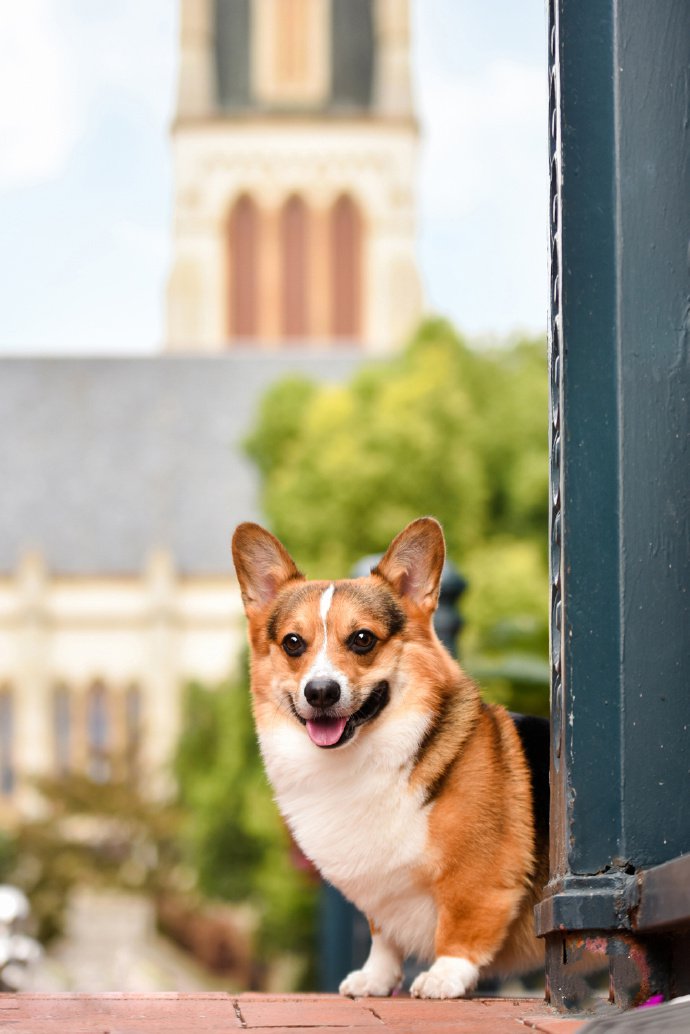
x=128 y=50
x=57 y=65
x=151 y=242
x=481 y=131
x=38 y=109
x=481 y=84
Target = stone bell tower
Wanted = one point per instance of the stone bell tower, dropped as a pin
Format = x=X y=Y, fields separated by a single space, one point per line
x=294 y=155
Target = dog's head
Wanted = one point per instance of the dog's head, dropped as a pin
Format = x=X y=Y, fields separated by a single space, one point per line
x=328 y=655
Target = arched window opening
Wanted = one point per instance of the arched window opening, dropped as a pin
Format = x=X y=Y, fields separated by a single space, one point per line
x=294 y=233
x=243 y=263
x=98 y=734
x=346 y=269
x=7 y=772
x=62 y=730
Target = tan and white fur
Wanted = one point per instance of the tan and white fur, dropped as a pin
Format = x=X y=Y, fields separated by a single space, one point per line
x=408 y=793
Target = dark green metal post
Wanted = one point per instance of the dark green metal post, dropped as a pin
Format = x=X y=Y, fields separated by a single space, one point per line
x=620 y=493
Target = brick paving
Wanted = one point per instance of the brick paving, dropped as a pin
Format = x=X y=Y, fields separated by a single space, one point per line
x=222 y=1013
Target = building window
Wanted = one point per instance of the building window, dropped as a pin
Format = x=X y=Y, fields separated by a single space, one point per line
x=132 y=732
x=291 y=52
x=353 y=49
x=98 y=734
x=231 y=36
x=7 y=773
x=346 y=268
x=294 y=232
x=243 y=263
x=62 y=730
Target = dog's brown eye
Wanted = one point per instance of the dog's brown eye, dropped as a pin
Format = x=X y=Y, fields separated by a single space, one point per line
x=362 y=641
x=293 y=644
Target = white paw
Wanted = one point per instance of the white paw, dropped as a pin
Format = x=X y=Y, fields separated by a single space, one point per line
x=363 y=983
x=449 y=977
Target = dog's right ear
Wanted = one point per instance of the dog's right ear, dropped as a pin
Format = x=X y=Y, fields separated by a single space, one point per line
x=263 y=565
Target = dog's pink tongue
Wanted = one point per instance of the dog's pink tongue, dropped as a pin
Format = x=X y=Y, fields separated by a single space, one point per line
x=327 y=731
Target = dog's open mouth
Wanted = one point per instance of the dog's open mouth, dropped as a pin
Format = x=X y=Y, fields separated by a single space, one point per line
x=326 y=732
x=334 y=731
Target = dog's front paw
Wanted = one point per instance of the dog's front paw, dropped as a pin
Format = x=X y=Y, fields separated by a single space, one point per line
x=365 y=983
x=449 y=977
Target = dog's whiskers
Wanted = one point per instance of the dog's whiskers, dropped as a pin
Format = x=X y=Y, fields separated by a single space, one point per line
x=284 y=705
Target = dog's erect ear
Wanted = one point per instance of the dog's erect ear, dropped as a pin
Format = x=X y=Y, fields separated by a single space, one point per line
x=262 y=563
x=414 y=561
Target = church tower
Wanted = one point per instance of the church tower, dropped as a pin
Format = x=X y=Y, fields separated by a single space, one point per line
x=294 y=149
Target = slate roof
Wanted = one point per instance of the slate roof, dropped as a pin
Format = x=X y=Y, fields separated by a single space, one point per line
x=102 y=460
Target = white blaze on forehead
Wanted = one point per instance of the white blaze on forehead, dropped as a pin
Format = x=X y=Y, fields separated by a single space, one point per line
x=324 y=607
x=323 y=667
x=325 y=604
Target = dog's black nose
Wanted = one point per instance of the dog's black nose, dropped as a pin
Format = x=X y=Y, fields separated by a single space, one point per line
x=322 y=692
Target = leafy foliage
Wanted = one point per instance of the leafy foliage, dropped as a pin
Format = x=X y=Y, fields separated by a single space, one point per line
x=98 y=834
x=440 y=428
x=236 y=841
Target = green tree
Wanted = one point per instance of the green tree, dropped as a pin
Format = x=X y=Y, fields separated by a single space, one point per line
x=94 y=834
x=235 y=840
x=440 y=428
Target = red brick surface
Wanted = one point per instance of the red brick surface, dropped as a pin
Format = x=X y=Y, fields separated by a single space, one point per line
x=172 y=1013
x=328 y=1011
x=553 y=1024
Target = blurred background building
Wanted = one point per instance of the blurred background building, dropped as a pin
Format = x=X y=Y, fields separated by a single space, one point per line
x=294 y=156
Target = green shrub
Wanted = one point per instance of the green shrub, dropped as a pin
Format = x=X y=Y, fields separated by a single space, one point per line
x=440 y=428
x=235 y=840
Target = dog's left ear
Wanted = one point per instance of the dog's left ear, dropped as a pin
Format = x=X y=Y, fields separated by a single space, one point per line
x=414 y=561
x=263 y=565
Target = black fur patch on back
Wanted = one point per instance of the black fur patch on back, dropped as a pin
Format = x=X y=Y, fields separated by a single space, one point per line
x=435 y=729
x=442 y=722
x=439 y=781
x=535 y=739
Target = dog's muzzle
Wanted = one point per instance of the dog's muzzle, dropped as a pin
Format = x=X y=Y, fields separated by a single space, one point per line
x=328 y=731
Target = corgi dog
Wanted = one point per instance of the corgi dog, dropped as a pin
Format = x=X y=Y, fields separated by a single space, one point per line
x=422 y=804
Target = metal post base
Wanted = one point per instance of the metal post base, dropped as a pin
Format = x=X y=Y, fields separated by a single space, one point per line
x=587 y=968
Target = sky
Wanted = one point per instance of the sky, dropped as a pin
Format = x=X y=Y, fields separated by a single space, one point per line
x=87 y=91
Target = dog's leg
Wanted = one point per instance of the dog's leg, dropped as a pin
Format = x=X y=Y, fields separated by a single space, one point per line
x=449 y=977
x=380 y=974
x=468 y=936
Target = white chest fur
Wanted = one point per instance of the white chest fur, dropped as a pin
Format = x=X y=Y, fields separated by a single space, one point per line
x=353 y=813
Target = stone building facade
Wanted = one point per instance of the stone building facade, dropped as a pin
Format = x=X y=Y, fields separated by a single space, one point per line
x=124 y=481
x=93 y=670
